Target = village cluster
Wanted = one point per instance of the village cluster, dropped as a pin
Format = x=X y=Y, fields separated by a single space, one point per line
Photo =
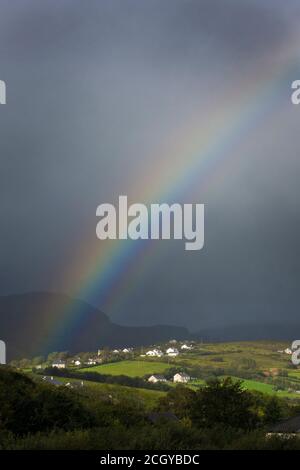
x=99 y=359
x=174 y=350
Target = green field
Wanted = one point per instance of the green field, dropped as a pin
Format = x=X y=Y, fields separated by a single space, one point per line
x=257 y=386
x=230 y=354
x=129 y=368
x=117 y=392
x=208 y=360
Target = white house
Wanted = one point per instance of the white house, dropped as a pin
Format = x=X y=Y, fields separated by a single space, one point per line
x=77 y=362
x=186 y=347
x=181 y=377
x=59 y=364
x=91 y=362
x=126 y=350
x=150 y=353
x=173 y=352
x=154 y=353
x=116 y=351
x=157 y=378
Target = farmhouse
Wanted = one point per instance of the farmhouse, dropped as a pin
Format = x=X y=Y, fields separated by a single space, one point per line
x=127 y=350
x=172 y=352
x=181 y=377
x=154 y=353
x=157 y=378
x=77 y=362
x=186 y=347
x=91 y=362
x=59 y=364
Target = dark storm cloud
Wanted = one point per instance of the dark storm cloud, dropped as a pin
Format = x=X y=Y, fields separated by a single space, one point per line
x=155 y=28
x=93 y=87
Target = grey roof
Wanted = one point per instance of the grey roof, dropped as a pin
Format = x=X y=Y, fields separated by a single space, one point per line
x=291 y=425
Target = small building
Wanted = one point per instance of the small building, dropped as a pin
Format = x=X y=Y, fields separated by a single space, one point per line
x=154 y=353
x=172 y=352
x=157 y=378
x=186 y=347
x=59 y=364
x=181 y=377
x=77 y=362
x=91 y=362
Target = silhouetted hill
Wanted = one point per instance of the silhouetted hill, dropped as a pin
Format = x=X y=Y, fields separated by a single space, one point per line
x=39 y=323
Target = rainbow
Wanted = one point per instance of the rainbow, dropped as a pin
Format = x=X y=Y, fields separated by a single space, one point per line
x=106 y=272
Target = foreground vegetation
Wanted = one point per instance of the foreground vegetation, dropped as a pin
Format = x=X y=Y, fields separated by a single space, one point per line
x=219 y=415
x=235 y=393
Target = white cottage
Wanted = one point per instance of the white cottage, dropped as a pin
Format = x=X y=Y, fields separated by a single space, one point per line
x=181 y=377
x=172 y=352
x=157 y=378
x=59 y=364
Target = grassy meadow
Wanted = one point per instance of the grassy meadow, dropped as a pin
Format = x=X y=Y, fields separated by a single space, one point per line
x=262 y=366
x=134 y=368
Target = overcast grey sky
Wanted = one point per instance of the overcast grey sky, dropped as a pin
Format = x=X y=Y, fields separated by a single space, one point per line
x=94 y=89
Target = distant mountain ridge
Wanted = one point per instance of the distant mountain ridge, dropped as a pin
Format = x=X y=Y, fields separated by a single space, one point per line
x=34 y=324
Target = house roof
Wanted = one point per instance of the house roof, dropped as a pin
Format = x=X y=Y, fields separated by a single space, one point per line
x=291 y=425
x=182 y=374
x=158 y=376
